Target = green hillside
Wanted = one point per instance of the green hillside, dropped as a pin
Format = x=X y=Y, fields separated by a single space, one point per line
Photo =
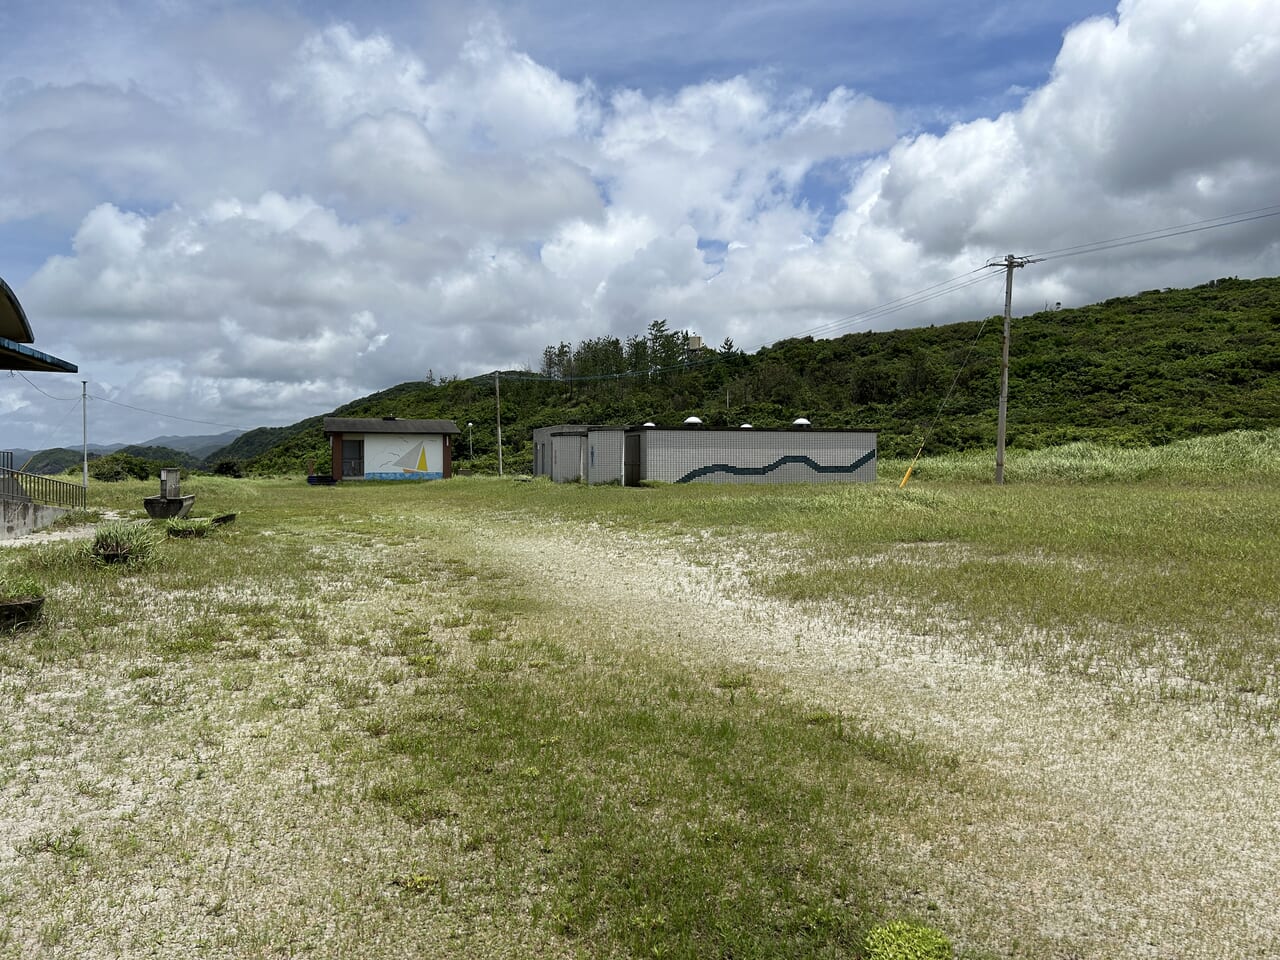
x=166 y=456
x=55 y=460
x=1148 y=369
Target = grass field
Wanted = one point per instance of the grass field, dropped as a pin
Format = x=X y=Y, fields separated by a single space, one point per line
x=489 y=718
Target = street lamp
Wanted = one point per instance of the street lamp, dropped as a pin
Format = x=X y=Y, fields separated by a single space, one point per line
x=471 y=452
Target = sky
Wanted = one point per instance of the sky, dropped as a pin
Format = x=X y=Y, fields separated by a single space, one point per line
x=239 y=214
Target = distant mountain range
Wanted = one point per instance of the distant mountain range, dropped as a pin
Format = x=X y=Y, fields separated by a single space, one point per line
x=196 y=446
x=177 y=451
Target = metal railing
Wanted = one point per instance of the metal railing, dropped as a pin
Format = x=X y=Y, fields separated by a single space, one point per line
x=16 y=485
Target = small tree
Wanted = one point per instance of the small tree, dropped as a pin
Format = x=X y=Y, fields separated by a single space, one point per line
x=229 y=468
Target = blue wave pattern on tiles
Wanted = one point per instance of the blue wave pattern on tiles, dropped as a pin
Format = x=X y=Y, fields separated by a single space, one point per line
x=403 y=475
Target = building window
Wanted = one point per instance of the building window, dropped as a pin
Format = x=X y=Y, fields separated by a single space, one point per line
x=352 y=458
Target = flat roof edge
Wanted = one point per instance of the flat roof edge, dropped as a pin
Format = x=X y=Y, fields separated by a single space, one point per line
x=29 y=358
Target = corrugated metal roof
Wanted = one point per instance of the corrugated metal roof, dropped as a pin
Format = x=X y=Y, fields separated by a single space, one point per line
x=387 y=425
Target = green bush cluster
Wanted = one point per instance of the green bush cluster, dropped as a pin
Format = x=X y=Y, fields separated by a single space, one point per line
x=900 y=940
x=122 y=541
x=229 y=468
x=122 y=466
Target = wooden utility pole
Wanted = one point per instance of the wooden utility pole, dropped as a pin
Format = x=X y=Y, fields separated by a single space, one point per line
x=497 y=396
x=84 y=433
x=1010 y=264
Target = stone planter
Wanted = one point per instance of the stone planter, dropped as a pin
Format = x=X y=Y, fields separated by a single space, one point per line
x=20 y=612
x=167 y=508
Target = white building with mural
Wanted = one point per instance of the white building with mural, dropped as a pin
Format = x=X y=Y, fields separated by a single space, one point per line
x=389 y=448
x=593 y=453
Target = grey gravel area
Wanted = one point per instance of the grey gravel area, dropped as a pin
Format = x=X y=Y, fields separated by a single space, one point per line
x=1114 y=825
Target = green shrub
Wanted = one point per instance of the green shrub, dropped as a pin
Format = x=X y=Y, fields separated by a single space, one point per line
x=899 y=940
x=120 y=541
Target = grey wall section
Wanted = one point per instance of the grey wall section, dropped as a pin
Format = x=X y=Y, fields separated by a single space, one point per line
x=757 y=456
x=18 y=518
x=542 y=450
x=568 y=455
x=564 y=452
x=604 y=456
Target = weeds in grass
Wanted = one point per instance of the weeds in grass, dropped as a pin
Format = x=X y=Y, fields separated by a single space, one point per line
x=76 y=518
x=54 y=558
x=188 y=527
x=416 y=882
x=19 y=587
x=68 y=844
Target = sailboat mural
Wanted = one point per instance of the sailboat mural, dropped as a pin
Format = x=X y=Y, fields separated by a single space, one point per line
x=406 y=464
x=415 y=461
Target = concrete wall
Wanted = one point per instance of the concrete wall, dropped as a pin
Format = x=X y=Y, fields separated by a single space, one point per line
x=563 y=452
x=20 y=517
x=757 y=456
x=385 y=453
x=568 y=457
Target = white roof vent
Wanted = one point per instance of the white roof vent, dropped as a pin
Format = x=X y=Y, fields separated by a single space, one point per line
x=745 y=426
x=692 y=422
x=648 y=423
x=800 y=422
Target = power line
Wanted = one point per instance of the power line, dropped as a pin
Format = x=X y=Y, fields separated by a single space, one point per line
x=941 y=406
x=924 y=295
x=168 y=416
x=1162 y=233
x=128 y=406
x=53 y=431
x=49 y=395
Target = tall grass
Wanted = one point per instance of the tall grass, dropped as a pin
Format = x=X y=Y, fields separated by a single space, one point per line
x=1242 y=456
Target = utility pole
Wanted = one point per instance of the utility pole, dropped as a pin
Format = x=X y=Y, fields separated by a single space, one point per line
x=1010 y=264
x=84 y=432
x=497 y=396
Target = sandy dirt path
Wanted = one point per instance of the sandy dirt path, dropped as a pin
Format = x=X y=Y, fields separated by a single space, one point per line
x=1105 y=826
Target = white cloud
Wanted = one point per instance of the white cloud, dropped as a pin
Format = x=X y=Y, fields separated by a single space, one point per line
x=1139 y=127
x=344 y=77
x=11 y=403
